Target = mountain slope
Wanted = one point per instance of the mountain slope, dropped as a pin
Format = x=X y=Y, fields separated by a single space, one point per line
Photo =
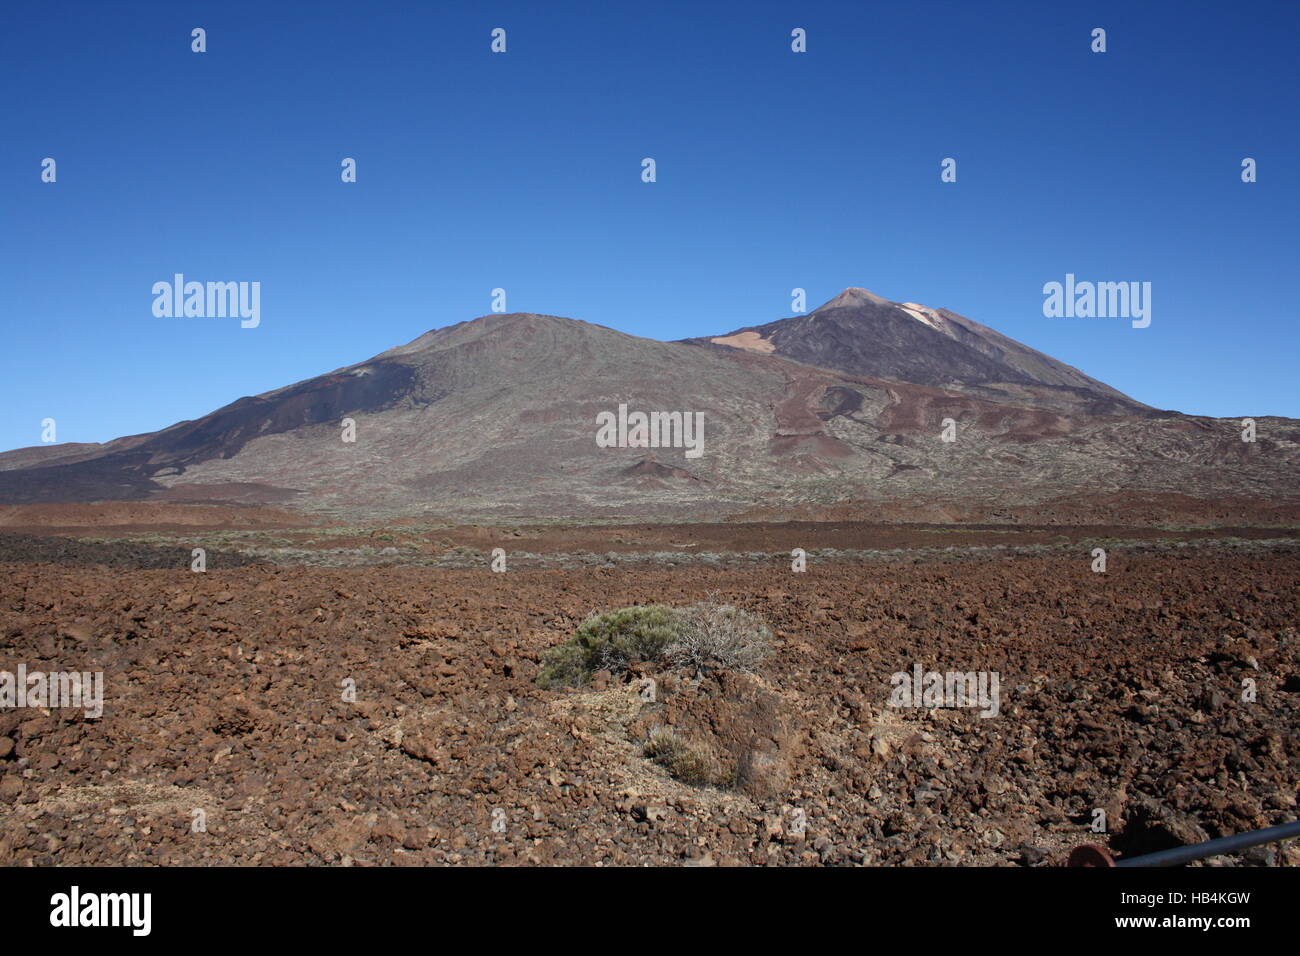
x=499 y=417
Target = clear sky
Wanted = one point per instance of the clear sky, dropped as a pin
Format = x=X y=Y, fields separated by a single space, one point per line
x=522 y=170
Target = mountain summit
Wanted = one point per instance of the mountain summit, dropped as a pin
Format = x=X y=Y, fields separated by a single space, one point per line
x=860 y=333
x=851 y=298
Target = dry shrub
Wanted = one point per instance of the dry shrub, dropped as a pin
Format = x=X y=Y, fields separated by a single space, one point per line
x=684 y=762
x=717 y=636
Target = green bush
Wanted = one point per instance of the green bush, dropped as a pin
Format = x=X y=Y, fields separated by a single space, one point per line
x=611 y=642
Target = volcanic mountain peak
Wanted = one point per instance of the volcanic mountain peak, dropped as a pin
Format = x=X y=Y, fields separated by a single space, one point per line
x=853 y=296
x=861 y=333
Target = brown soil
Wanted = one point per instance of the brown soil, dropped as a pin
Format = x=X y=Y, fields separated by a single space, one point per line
x=1127 y=509
x=126 y=517
x=1120 y=691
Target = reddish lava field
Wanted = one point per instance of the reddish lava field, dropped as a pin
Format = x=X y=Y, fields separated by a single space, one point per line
x=224 y=693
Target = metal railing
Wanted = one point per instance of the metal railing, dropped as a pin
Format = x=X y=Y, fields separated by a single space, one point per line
x=1090 y=854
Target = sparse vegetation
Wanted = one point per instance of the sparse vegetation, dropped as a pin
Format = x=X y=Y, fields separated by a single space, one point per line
x=720 y=636
x=689 y=764
x=708 y=635
x=611 y=642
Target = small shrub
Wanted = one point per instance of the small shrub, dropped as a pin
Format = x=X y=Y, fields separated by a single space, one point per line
x=611 y=642
x=684 y=762
x=720 y=637
x=708 y=635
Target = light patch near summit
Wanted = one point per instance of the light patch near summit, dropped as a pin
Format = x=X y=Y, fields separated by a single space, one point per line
x=745 y=340
x=926 y=315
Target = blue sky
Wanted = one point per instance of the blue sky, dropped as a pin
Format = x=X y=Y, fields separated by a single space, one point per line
x=775 y=170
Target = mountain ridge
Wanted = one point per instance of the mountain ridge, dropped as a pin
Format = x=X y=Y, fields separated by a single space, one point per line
x=497 y=415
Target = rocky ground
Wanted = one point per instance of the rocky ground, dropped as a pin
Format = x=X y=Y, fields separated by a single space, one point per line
x=133 y=555
x=225 y=693
x=230 y=543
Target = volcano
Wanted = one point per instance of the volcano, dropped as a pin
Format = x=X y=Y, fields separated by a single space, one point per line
x=848 y=405
x=860 y=333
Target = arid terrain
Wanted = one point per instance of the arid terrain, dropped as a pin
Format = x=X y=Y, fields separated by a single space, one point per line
x=350 y=621
x=225 y=693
